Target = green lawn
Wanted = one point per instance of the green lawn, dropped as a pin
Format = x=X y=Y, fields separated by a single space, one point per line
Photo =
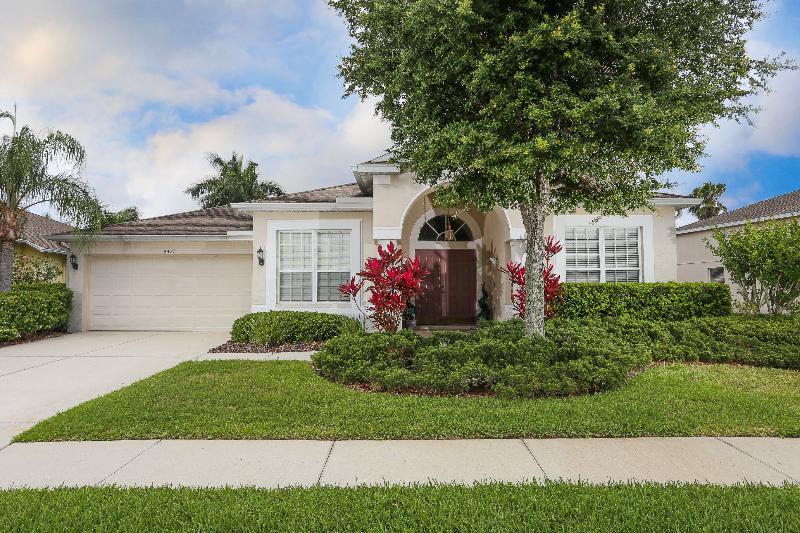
x=554 y=506
x=287 y=400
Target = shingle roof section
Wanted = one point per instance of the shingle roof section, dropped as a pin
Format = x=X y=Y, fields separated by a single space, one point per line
x=37 y=228
x=325 y=194
x=211 y=221
x=784 y=204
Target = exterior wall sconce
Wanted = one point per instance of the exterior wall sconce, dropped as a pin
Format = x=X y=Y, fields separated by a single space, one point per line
x=73 y=260
x=260 y=255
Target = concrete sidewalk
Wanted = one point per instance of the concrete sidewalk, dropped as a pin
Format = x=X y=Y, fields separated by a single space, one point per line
x=193 y=463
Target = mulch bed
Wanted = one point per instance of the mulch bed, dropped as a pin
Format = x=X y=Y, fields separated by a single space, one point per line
x=33 y=338
x=252 y=347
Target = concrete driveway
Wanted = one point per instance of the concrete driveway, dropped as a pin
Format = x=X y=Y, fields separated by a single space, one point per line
x=40 y=379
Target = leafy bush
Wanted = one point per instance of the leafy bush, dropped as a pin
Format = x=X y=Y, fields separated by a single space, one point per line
x=650 y=301
x=498 y=358
x=764 y=263
x=34 y=270
x=34 y=307
x=279 y=327
x=578 y=355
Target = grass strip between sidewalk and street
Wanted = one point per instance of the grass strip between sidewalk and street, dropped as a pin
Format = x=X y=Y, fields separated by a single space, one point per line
x=287 y=400
x=494 y=507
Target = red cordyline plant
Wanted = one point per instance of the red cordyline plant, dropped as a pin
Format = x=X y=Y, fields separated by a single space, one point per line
x=394 y=281
x=552 y=282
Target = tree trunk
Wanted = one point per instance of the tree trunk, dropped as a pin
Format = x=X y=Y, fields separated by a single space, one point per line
x=6 y=265
x=533 y=218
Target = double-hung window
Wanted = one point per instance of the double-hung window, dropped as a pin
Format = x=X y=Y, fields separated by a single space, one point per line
x=312 y=265
x=599 y=254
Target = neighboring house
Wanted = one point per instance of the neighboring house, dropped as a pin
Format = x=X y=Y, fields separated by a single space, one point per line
x=203 y=269
x=35 y=241
x=695 y=260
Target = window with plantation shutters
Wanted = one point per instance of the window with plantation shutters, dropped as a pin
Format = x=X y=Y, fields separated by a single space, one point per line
x=596 y=254
x=312 y=265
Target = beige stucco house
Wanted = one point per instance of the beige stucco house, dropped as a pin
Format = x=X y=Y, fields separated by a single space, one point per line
x=695 y=260
x=203 y=269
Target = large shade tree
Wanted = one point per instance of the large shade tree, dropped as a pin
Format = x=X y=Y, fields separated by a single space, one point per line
x=129 y=214
x=545 y=106
x=35 y=170
x=233 y=181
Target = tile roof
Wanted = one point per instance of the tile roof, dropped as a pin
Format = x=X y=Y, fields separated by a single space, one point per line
x=670 y=195
x=783 y=205
x=325 y=194
x=211 y=221
x=386 y=157
x=37 y=228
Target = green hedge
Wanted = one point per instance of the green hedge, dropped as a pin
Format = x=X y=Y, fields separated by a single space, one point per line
x=498 y=358
x=279 y=327
x=650 y=301
x=577 y=356
x=31 y=308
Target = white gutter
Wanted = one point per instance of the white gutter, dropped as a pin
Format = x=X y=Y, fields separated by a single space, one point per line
x=738 y=223
x=341 y=204
x=232 y=236
x=42 y=250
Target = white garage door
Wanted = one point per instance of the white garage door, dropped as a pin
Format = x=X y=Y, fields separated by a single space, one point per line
x=172 y=293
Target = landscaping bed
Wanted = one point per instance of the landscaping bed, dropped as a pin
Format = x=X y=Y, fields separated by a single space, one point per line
x=33 y=308
x=288 y=400
x=33 y=337
x=577 y=356
x=490 y=507
x=255 y=347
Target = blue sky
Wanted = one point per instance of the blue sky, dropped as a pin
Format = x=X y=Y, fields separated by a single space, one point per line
x=149 y=87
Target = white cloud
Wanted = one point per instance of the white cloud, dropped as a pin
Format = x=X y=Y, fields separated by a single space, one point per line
x=149 y=88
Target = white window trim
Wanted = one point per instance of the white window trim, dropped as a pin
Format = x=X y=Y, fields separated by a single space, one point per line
x=643 y=222
x=275 y=226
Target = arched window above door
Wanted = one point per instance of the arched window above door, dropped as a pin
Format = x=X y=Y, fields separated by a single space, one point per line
x=445 y=228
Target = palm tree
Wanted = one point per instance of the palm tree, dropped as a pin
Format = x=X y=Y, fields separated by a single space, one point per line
x=233 y=181
x=38 y=170
x=711 y=206
x=129 y=214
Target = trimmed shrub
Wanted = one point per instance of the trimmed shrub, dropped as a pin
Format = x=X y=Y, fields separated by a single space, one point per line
x=35 y=307
x=498 y=358
x=648 y=301
x=278 y=327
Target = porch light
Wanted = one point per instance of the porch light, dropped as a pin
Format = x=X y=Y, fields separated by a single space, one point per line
x=449 y=234
x=260 y=256
x=73 y=260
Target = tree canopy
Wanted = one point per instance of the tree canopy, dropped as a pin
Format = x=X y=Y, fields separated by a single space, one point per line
x=40 y=169
x=546 y=106
x=129 y=214
x=232 y=181
x=711 y=196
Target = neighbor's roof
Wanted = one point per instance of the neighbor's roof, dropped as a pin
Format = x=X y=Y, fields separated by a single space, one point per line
x=211 y=221
x=37 y=228
x=783 y=206
x=323 y=195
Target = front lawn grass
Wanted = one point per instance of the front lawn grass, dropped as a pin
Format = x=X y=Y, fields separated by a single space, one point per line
x=554 y=506
x=287 y=400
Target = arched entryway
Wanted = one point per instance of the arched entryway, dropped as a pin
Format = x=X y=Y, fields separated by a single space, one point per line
x=449 y=245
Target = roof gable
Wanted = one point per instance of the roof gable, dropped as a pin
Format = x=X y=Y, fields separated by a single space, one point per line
x=36 y=230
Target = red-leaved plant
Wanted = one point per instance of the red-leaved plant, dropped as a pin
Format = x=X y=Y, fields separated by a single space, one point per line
x=394 y=281
x=552 y=282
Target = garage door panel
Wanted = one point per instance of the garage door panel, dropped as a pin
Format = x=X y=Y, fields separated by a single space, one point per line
x=169 y=292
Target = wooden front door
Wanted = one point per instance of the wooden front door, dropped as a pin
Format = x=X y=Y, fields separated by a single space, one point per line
x=449 y=292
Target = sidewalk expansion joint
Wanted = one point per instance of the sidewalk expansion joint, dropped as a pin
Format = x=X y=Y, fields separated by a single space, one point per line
x=325 y=464
x=132 y=459
x=535 y=460
x=722 y=440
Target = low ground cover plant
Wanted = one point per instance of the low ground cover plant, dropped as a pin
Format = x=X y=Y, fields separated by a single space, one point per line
x=31 y=308
x=577 y=356
x=279 y=327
